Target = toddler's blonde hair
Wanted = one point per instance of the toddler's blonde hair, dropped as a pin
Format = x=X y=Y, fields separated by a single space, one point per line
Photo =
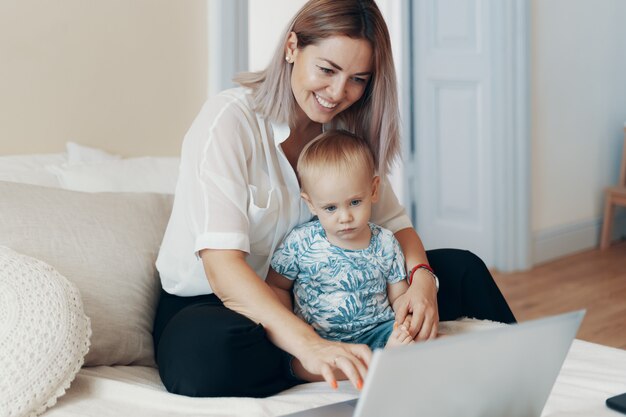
x=336 y=151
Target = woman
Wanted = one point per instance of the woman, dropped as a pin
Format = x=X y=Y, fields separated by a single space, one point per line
x=219 y=328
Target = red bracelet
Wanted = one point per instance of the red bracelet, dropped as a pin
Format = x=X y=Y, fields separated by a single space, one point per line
x=419 y=266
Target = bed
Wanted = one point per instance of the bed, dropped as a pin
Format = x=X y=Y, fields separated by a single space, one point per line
x=88 y=224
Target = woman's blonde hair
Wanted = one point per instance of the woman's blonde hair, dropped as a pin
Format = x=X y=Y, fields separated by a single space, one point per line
x=337 y=152
x=375 y=116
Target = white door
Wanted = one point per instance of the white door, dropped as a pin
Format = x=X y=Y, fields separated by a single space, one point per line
x=467 y=110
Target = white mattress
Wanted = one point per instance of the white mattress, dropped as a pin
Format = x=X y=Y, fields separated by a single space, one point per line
x=591 y=373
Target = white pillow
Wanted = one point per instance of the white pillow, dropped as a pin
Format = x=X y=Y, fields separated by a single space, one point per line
x=145 y=174
x=77 y=154
x=104 y=243
x=34 y=168
x=31 y=169
x=44 y=334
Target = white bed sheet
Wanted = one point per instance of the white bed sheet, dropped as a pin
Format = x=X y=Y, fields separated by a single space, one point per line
x=591 y=373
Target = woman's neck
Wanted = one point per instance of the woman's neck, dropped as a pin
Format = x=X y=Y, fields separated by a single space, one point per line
x=304 y=133
x=304 y=128
x=300 y=135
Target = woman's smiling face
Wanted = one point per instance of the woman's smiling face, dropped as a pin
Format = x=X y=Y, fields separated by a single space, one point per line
x=330 y=76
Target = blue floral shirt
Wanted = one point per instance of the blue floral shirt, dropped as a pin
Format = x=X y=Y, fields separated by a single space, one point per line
x=342 y=293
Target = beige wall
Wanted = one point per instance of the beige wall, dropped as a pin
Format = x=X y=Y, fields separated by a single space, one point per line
x=128 y=76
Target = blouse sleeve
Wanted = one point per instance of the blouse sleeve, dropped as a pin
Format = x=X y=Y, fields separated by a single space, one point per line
x=214 y=175
x=388 y=212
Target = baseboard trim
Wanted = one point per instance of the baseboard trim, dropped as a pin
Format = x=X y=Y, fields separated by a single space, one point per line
x=565 y=240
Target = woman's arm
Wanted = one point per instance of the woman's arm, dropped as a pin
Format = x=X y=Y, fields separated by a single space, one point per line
x=420 y=299
x=281 y=286
x=241 y=290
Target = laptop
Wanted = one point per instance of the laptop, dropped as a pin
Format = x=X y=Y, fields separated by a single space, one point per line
x=504 y=371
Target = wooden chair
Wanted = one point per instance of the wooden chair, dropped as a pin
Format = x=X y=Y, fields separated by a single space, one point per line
x=614 y=196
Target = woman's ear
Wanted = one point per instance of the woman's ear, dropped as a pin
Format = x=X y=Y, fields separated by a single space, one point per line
x=291 y=46
x=308 y=202
x=375 y=185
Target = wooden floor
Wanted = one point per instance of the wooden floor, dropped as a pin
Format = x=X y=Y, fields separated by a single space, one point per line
x=594 y=280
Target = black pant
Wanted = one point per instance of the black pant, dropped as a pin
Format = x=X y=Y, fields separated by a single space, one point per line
x=204 y=349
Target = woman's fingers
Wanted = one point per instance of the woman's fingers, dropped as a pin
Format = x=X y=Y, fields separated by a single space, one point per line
x=417 y=321
x=329 y=376
x=353 y=363
x=361 y=364
x=434 y=331
x=364 y=353
x=334 y=361
x=349 y=368
x=429 y=327
x=426 y=329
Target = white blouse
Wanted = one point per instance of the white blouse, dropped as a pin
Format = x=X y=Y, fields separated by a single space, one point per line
x=237 y=190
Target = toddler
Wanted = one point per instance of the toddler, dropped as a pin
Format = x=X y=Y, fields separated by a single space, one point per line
x=345 y=271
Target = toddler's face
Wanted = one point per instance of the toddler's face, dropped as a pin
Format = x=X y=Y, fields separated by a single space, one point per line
x=343 y=204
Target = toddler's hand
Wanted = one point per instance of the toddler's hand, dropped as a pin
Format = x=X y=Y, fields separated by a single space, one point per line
x=399 y=336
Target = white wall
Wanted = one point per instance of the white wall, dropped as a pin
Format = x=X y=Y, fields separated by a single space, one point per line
x=126 y=75
x=578 y=73
x=268 y=19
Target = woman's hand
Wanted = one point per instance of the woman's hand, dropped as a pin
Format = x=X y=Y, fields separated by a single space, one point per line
x=332 y=361
x=419 y=301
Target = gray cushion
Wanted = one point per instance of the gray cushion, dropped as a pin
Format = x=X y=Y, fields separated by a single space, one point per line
x=106 y=244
